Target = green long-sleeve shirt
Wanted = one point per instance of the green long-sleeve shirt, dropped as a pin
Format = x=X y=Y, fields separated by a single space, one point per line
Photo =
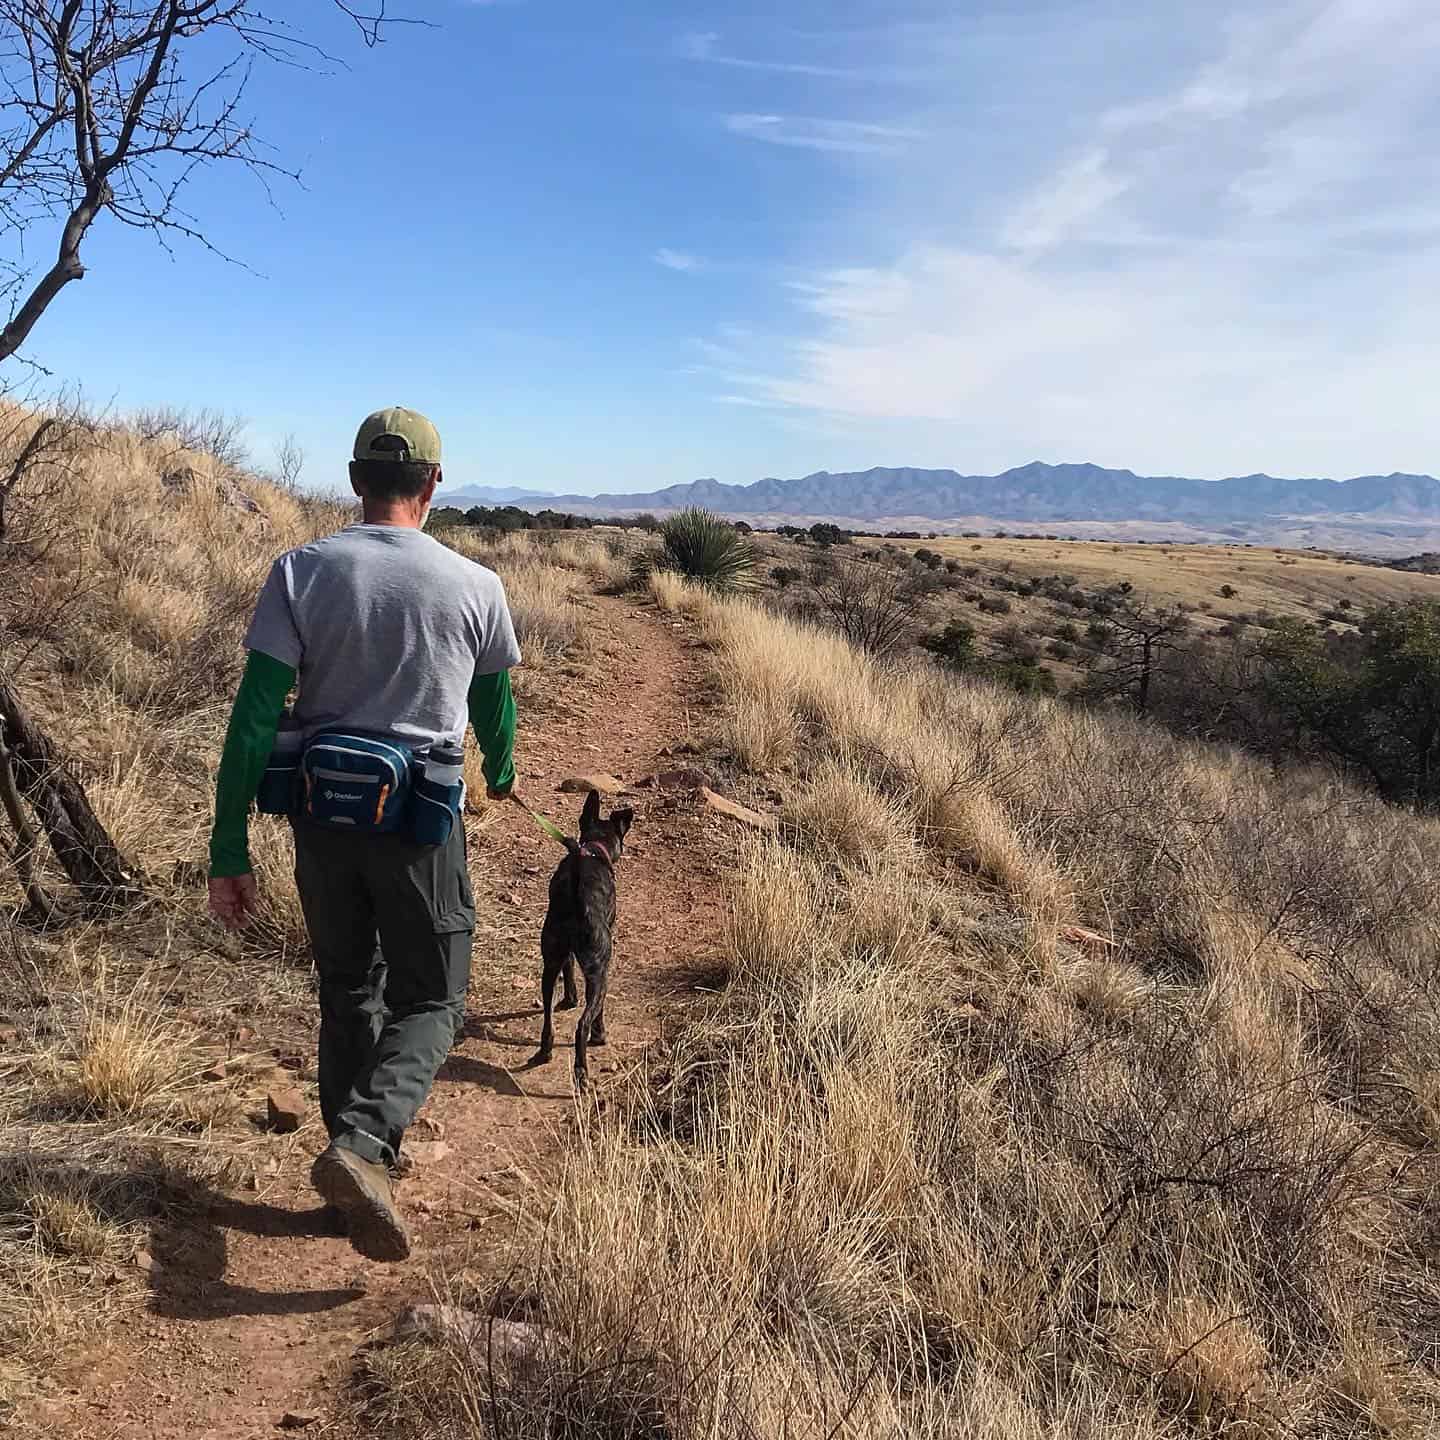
x=255 y=718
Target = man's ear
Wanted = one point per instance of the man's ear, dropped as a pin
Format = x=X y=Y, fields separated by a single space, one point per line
x=590 y=814
x=427 y=495
x=355 y=480
x=622 y=819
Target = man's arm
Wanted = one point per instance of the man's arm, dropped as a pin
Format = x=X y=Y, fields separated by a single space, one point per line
x=492 y=713
x=255 y=718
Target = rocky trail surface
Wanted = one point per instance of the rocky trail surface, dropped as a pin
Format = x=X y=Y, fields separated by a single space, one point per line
x=254 y=1313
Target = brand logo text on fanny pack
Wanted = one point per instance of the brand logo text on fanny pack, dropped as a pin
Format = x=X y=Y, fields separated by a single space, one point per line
x=341 y=795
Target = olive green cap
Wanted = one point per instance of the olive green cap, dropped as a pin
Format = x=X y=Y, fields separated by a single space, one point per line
x=398 y=434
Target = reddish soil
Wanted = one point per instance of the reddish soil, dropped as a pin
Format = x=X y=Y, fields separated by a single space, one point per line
x=252 y=1311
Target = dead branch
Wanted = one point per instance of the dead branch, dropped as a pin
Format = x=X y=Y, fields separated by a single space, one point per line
x=27 y=843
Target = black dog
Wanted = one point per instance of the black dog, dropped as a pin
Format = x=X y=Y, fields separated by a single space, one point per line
x=578 y=926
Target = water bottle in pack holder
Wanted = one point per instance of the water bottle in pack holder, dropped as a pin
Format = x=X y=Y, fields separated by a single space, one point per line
x=353 y=782
x=439 y=793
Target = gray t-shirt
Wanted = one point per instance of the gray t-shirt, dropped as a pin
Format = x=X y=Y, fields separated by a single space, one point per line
x=387 y=628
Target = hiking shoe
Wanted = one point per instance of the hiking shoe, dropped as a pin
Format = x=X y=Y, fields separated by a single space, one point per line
x=361 y=1189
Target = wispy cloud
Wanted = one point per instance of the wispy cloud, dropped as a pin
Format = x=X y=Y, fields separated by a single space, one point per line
x=852 y=137
x=704 y=47
x=1233 y=272
x=1076 y=192
x=679 y=260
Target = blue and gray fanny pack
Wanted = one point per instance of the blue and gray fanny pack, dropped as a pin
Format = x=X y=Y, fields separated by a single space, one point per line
x=350 y=782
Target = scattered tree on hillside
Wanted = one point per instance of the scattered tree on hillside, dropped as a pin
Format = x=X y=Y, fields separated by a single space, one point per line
x=1379 y=712
x=1135 y=636
x=953 y=646
x=873 y=606
x=112 y=107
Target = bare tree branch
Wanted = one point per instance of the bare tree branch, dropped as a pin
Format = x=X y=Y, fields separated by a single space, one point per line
x=98 y=114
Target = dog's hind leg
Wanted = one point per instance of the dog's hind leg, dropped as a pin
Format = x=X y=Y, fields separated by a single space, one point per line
x=597 y=1029
x=595 y=963
x=555 y=956
x=570 y=999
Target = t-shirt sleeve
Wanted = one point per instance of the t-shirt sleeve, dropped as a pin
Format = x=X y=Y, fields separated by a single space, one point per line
x=500 y=650
x=272 y=628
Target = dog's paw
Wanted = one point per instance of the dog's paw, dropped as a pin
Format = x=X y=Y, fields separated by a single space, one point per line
x=540 y=1057
x=567 y=1002
x=597 y=1037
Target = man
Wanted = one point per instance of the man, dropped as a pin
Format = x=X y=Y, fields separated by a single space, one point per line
x=390 y=635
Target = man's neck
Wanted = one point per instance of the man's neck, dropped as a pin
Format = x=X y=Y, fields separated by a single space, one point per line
x=403 y=517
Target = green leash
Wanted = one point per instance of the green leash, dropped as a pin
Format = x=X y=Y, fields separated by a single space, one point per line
x=548 y=826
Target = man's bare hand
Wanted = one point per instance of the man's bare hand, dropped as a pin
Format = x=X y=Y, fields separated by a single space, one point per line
x=234 y=899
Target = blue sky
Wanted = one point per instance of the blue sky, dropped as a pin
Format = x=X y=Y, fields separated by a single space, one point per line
x=613 y=247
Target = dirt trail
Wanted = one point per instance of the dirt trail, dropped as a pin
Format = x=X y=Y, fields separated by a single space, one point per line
x=254 y=1312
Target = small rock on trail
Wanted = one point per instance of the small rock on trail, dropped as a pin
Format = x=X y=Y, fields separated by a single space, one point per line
x=285 y=1111
x=599 y=782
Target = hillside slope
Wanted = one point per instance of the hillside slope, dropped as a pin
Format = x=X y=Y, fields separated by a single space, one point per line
x=1038 y=1076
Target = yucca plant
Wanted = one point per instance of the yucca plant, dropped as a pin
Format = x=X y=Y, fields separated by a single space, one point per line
x=705 y=548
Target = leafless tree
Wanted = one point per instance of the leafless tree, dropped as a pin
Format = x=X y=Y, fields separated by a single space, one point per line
x=289 y=462
x=207 y=431
x=1140 y=634
x=874 y=606
x=100 y=112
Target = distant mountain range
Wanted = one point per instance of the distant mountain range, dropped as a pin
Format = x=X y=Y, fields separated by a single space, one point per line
x=1388 y=514
x=488 y=495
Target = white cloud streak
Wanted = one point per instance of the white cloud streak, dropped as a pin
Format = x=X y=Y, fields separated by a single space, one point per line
x=1236 y=273
x=851 y=137
x=703 y=47
x=680 y=260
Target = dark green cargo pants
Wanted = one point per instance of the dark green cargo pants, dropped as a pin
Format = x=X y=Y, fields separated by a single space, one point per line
x=391 y=923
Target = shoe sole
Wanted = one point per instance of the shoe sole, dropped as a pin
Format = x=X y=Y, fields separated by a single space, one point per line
x=376 y=1231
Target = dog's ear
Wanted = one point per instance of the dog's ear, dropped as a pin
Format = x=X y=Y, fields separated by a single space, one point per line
x=590 y=814
x=622 y=820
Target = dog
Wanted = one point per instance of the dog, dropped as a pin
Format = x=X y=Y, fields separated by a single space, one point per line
x=579 y=926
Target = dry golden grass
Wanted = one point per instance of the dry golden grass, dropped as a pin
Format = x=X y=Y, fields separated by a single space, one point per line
x=1287 y=582
x=927 y=1168
x=544 y=582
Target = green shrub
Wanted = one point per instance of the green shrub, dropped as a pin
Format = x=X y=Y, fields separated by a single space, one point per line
x=954 y=646
x=703 y=547
x=1023 y=676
